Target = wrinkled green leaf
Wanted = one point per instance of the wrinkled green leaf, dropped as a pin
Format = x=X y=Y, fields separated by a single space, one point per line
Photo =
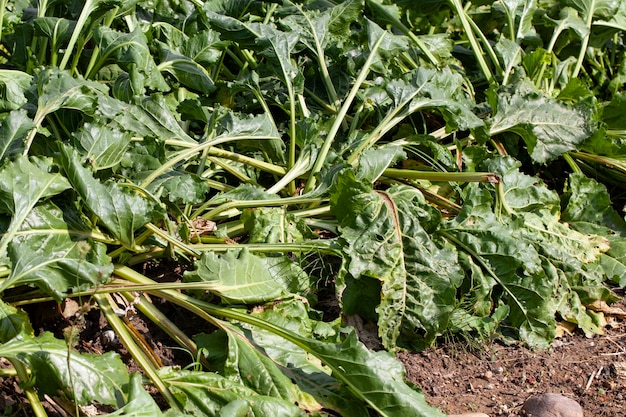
x=273 y=225
x=22 y=185
x=121 y=211
x=589 y=210
x=203 y=393
x=242 y=277
x=129 y=51
x=260 y=406
x=12 y=86
x=318 y=388
x=180 y=187
x=57 y=89
x=47 y=253
x=104 y=144
x=548 y=127
x=496 y=248
x=186 y=71
x=82 y=377
x=385 y=238
x=374 y=377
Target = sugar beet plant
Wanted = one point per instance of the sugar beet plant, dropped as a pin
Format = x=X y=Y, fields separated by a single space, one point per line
x=443 y=167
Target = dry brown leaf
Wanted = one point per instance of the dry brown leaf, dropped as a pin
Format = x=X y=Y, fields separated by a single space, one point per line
x=602 y=307
x=564 y=327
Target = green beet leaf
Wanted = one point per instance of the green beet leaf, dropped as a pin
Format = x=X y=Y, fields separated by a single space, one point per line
x=274 y=225
x=180 y=187
x=52 y=250
x=188 y=72
x=121 y=211
x=259 y=407
x=241 y=277
x=384 y=239
x=251 y=367
x=12 y=88
x=57 y=89
x=139 y=403
x=13 y=129
x=104 y=144
x=23 y=184
x=203 y=393
x=130 y=51
x=83 y=377
x=318 y=389
x=374 y=377
x=589 y=210
x=13 y=322
x=510 y=261
x=548 y=127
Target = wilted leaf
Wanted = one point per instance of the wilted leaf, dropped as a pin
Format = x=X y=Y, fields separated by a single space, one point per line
x=385 y=240
x=82 y=377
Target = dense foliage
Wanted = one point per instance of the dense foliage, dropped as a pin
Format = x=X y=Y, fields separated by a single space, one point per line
x=442 y=168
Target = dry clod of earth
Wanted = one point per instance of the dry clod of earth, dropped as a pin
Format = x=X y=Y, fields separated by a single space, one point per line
x=551 y=405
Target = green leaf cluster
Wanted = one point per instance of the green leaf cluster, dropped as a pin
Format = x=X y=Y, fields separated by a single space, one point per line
x=436 y=168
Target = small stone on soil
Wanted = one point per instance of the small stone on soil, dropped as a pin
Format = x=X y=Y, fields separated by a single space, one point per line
x=551 y=405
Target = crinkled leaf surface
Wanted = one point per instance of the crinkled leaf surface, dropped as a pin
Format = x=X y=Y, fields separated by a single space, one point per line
x=251 y=367
x=51 y=254
x=12 y=86
x=180 y=187
x=374 y=377
x=441 y=89
x=121 y=211
x=104 y=144
x=83 y=377
x=510 y=261
x=22 y=184
x=130 y=50
x=548 y=127
x=57 y=89
x=589 y=210
x=241 y=277
x=149 y=117
x=318 y=389
x=260 y=406
x=203 y=393
x=185 y=70
x=384 y=239
x=273 y=225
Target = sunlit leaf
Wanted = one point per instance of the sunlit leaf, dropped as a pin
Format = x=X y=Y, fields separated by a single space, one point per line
x=82 y=377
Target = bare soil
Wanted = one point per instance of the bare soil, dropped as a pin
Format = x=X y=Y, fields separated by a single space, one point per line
x=495 y=379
